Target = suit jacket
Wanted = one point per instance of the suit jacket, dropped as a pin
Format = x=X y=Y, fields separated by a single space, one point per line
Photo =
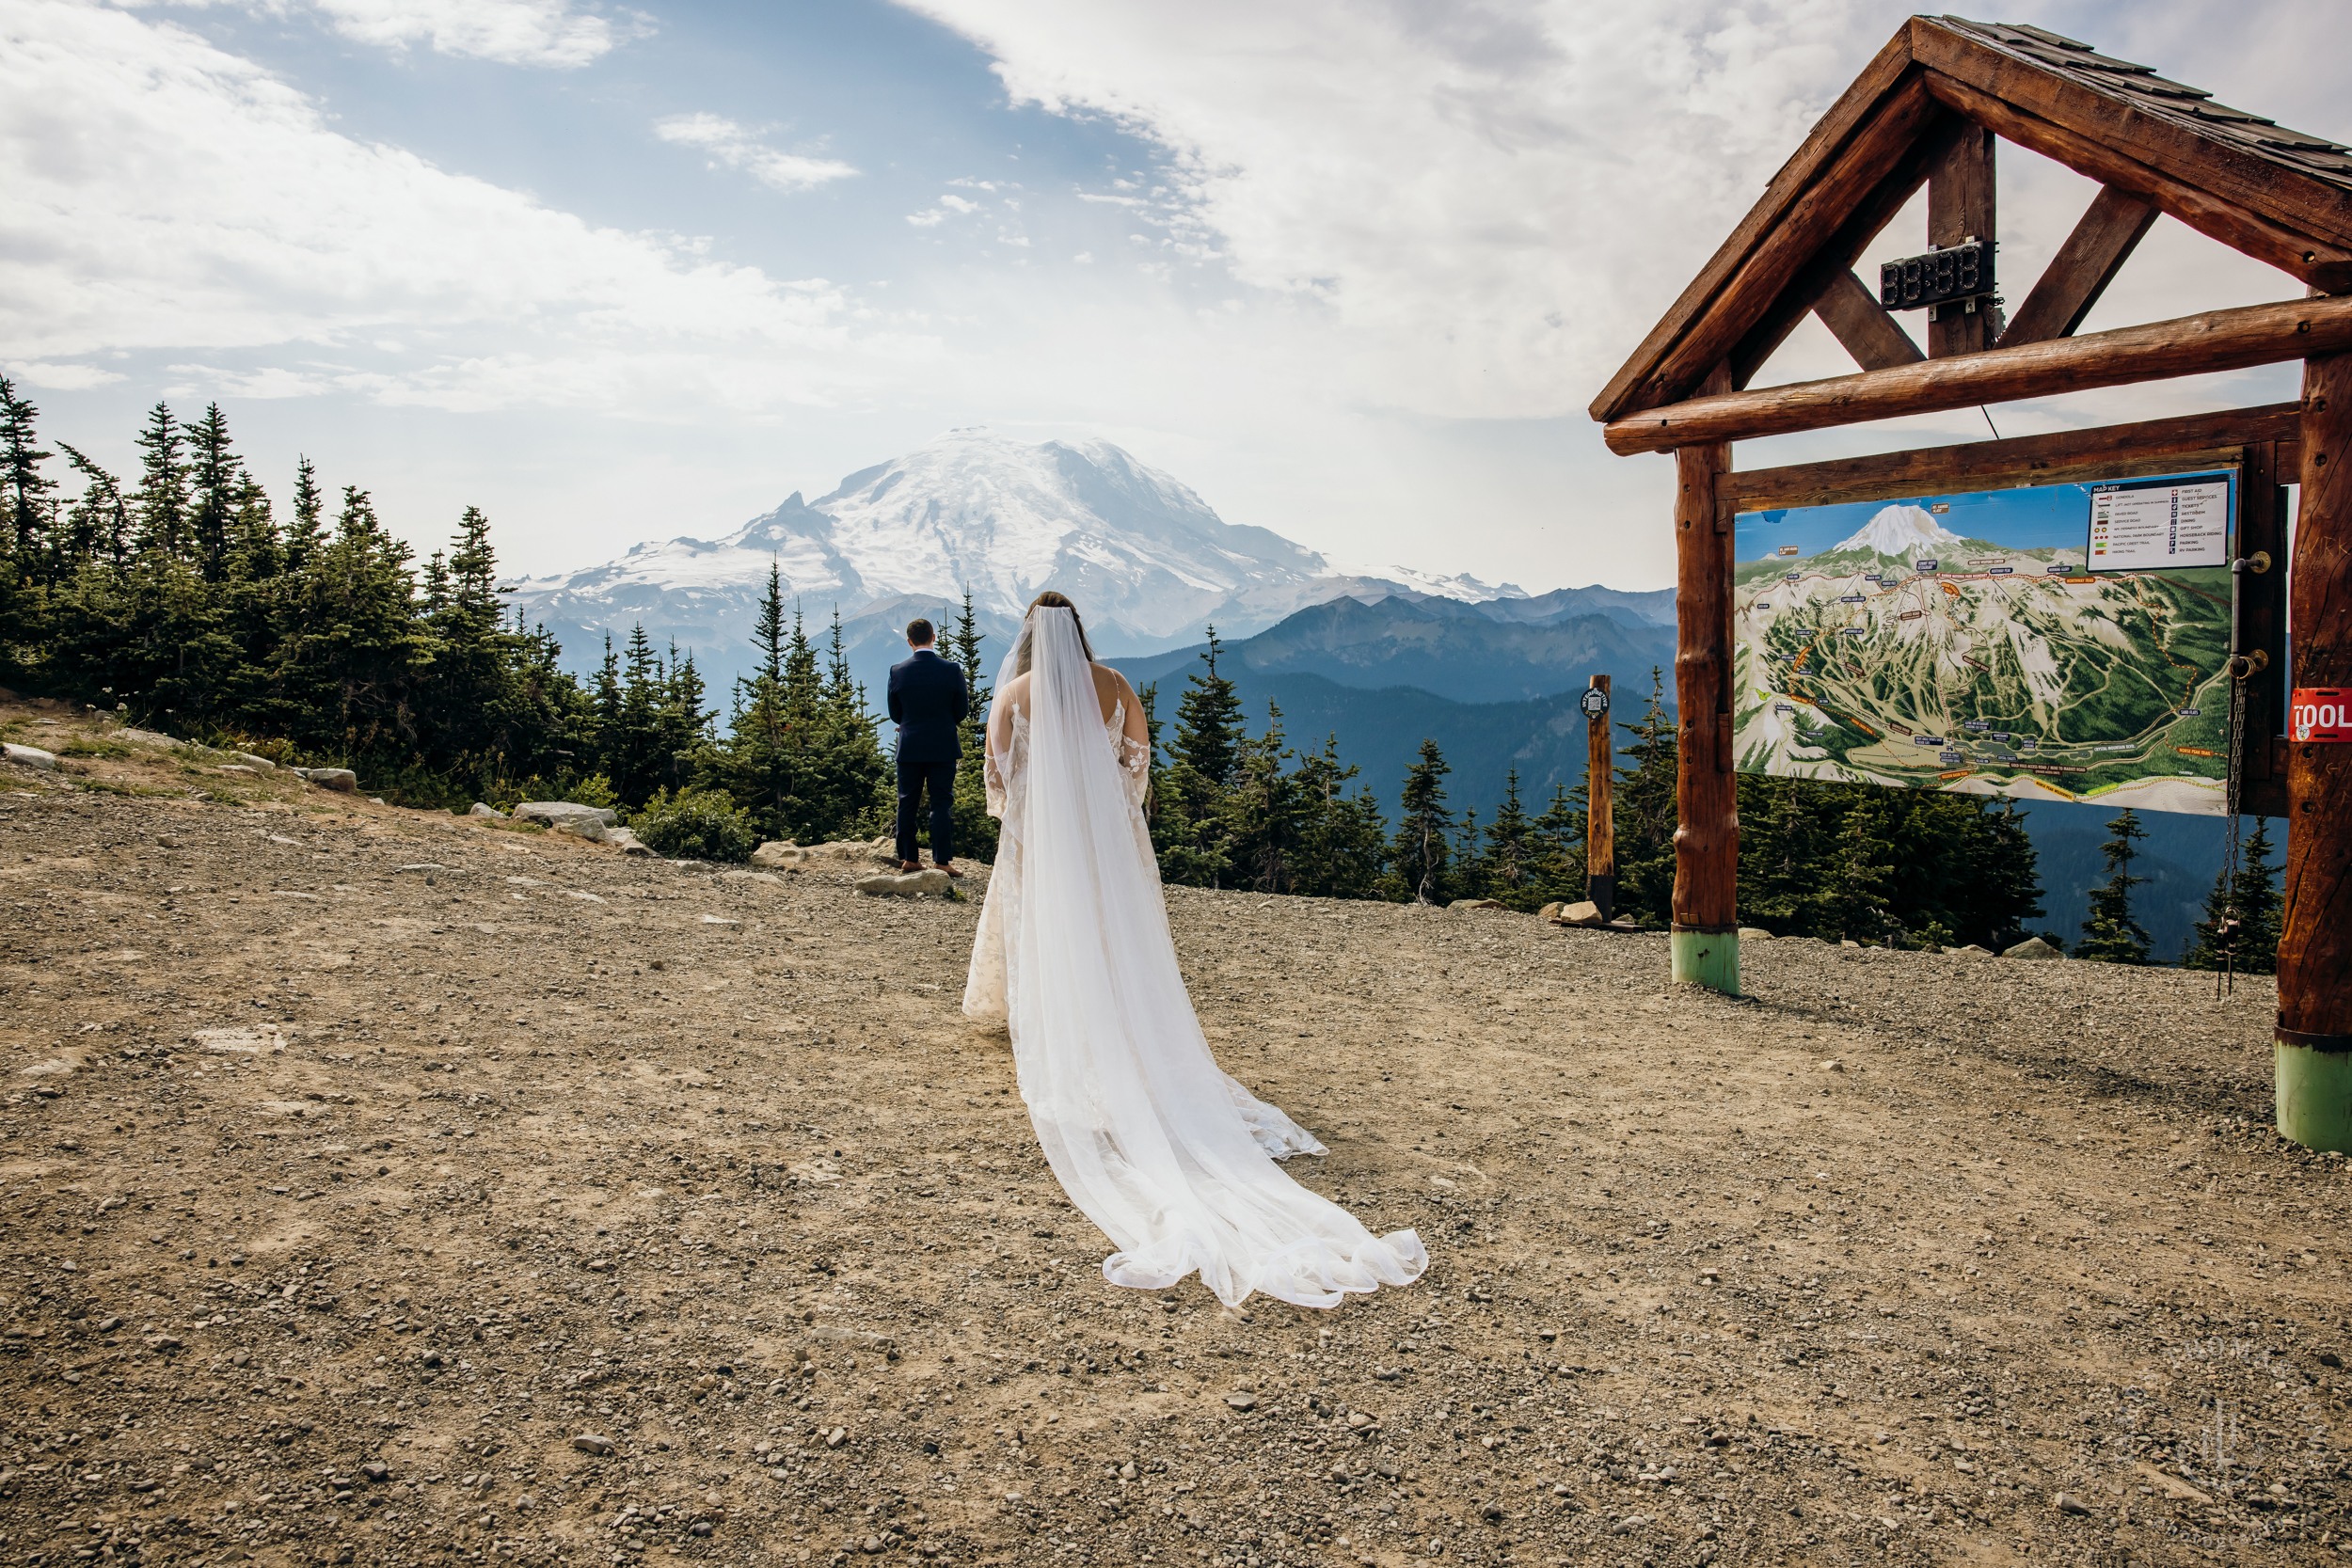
x=928 y=700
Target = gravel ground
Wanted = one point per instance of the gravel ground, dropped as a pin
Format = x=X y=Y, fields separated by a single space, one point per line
x=385 y=1188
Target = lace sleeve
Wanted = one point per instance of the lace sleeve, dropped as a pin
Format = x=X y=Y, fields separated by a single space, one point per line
x=1134 y=768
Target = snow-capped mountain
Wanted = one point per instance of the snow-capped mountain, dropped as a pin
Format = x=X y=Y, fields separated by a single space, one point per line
x=1899 y=530
x=1148 y=561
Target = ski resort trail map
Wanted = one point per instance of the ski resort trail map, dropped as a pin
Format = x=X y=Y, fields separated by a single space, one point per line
x=2062 y=642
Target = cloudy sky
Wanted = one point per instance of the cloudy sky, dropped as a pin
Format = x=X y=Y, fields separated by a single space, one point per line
x=1350 y=268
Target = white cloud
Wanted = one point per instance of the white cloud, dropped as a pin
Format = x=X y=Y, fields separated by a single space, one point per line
x=59 y=378
x=1488 y=202
x=166 y=195
x=734 y=146
x=510 y=32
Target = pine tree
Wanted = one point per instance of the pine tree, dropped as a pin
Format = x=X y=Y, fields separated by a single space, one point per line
x=1342 y=839
x=307 y=535
x=1194 y=845
x=24 y=488
x=1863 y=865
x=2111 y=935
x=2253 y=949
x=975 y=831
x=1645 y=811
x=1513 y=854
x=1264 y=827
x=1558 y=842
x=98 y=526
x=1417 y=855
x=215 y=472
x=162 y=497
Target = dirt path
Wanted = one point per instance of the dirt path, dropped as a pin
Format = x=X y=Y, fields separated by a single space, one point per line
x=357 y=1161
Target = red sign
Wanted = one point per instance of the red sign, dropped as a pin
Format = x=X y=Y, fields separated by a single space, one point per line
x=2321 y=713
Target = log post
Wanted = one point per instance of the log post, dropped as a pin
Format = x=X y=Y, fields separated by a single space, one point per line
x=2313 y=1049
x=1960 y=208
x=1601 y=820
x=1705 y=940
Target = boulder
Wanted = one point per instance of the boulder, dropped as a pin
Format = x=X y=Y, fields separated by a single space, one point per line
x=341 y=778
x=782 y=855
x=554 y=813
x=583 y=827
x=1582 y=913
x=625 y=842
x=2033 y=947
x=483 y=808
x=259 y=765
x=1754 y=933
x=1476 y=904
x=891 y=884
x=30 y=757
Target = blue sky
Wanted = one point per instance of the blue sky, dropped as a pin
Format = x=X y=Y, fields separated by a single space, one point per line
x=2043 y=516
x=1349 y=268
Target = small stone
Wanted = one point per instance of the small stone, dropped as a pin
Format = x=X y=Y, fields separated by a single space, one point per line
x=590 y=1442
x=2072 y=1505
x=2329 y=1358
x=341 y=780
x=1833 y=1066
x=2033 y=947
x=1242 y=1401
x=259 y=765
x=1584 y=914
x=837 y=1436
x=1476 y=904
x=1972 y=950
x=893 y=885
x=555 y=814
x=1754 y=933
x=627 y=842
x=782 y=855
x=30 y=757
x=376 y=1470
x=483 y=808
x=1127 y=1471
x=1359 y=1421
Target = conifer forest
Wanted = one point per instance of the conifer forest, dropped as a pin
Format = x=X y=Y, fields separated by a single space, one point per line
x=185 y=599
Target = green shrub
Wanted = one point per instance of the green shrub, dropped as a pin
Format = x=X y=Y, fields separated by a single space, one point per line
x=695 y=825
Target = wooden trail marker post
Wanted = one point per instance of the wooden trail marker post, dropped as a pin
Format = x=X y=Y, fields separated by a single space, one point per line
x=1600 y=819
x=1926 y=111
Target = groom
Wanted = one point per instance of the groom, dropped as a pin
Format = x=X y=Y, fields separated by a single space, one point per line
x=926 y=701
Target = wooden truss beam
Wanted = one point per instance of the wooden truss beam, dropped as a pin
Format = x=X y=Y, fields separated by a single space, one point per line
x=2192 y=345
x=2150 y=446
x=2323 y=266
x=1960 y=208
x=2102 y=242
x=1853 y=314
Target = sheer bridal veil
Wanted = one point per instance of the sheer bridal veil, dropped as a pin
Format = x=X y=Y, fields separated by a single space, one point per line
x=1171 y=1158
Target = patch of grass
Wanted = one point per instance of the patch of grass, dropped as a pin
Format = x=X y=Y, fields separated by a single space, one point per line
x=82 y=747
x=107 y=786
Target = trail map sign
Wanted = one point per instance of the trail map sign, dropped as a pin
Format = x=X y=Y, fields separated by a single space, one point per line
x=2059 y=642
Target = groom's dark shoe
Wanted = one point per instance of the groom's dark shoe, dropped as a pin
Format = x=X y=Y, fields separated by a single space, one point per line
x=948 y=866
x=905 y=866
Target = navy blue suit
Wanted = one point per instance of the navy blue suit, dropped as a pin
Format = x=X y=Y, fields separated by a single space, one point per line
x=928 y=700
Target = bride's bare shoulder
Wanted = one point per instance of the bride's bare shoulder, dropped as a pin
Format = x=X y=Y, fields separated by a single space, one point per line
x=1111 y=683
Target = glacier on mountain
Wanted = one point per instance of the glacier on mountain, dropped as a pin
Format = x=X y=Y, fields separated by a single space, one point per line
x=1149 y=562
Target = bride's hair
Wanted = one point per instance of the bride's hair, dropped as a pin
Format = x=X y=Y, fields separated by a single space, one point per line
x=1051 y=600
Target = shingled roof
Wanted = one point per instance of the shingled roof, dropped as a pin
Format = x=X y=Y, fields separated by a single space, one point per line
x=2283 y=196
x=2140 y=87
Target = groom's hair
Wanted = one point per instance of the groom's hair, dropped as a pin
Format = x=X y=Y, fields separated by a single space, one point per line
x=920 y=633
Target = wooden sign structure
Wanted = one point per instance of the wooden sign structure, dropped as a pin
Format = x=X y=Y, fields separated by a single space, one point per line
x=1926 y=112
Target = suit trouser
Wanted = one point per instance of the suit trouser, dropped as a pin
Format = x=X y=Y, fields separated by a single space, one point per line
x=940 y=779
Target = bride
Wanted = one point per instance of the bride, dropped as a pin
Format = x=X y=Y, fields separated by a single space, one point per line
x=1171 y=1158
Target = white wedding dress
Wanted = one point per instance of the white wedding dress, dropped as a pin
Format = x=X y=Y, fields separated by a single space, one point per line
x=1171 y=1158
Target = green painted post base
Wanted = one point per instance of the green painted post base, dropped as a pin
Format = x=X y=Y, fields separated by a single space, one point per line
x=2315 y=1097
x=1709 y=958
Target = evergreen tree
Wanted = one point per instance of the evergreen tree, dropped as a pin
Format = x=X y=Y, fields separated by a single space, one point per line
x=308 y=534
x=1194 y=845
x=1467 y=861
x=975 y=831
x=759 y=762
x=1645 y=811
x=1863 y=865
x=1264 y=812
x=98 y=526
x=24 y=488
x=162 y=498
x=1557 y=840
x=2111 y=935
x=1342 y=839
x=2253 y=902
x=1418 y=854
x=1512 y=853
x=214 y=475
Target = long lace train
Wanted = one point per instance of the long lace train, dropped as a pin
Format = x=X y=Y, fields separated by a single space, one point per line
x=1172 y=1157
